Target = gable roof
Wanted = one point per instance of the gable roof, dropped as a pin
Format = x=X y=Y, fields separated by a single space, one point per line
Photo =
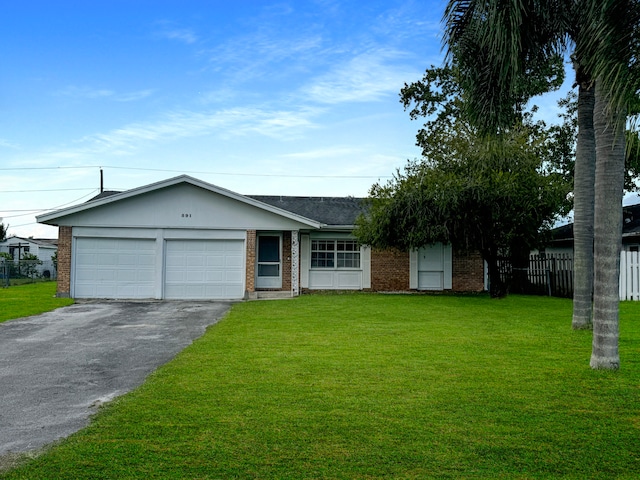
x=322 y=211
x=108 y=197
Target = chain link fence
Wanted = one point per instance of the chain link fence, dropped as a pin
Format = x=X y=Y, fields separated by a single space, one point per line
x=13 y=272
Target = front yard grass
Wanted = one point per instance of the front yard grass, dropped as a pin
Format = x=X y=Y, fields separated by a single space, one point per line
x=368 y=386
x=29 y=299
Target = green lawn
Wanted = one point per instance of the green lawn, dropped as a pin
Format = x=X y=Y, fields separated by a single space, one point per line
x=29 y=299
x=370 y=386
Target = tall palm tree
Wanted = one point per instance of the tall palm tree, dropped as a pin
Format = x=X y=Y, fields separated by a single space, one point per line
x=512 y=36
x=610 y=154
x=583 y=204
x=613 y=46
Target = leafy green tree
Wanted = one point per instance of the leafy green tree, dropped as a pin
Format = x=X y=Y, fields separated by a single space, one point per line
x=29 y=264
x=3 y=232
x=492 y=194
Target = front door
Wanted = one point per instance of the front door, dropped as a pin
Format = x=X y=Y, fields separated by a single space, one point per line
x=435 y=267
x=269 y=268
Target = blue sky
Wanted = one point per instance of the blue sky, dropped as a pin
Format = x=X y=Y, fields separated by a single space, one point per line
x=281 y=97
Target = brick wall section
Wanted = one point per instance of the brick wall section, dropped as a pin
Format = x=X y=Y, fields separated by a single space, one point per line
x=389 y=270
x=64 y=262
x=286 y=261
x=251 y=261
x=468 y=272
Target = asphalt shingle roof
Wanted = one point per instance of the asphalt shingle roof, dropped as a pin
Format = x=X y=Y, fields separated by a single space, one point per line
x=630 y=225
x=327 y=210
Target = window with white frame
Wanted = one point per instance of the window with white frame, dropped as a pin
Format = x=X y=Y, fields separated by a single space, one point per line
x=335 y=254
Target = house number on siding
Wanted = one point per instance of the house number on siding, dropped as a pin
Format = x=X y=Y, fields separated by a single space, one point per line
x=186 y=215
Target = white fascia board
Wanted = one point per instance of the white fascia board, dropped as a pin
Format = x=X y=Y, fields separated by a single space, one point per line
x=47 y=218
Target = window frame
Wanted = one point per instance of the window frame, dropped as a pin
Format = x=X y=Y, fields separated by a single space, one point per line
x=335 y=258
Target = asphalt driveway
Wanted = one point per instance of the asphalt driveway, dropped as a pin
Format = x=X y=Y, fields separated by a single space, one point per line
x=57 y=368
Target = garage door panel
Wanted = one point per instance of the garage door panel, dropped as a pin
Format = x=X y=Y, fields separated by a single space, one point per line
x=216 y=260
x=234 y=261
x=233 y=276
x=114 y=268
x=204 y=269
x=214 y=276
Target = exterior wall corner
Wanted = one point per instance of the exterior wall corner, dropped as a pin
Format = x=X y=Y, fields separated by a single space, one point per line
x=64 y=261
x=250 y=268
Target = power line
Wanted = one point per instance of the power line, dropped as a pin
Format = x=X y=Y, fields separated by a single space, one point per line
x=202 y=172
x=47 y=190
x=36 y=210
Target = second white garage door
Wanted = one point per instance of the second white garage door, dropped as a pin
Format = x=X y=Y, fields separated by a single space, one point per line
x=204 y=269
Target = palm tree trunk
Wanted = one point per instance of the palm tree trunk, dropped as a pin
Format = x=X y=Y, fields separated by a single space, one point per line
x=583 y=206
x=610 y=156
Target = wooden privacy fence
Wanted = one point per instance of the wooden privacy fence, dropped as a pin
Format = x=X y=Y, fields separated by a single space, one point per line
x=630 y=276
x=552 y=274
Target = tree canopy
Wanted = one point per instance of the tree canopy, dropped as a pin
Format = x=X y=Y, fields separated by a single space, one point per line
x=486 y=193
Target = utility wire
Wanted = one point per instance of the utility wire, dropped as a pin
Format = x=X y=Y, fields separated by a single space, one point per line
x=34 y=211
x=194 y=171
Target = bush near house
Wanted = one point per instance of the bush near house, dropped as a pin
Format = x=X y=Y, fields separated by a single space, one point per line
x=369 y=386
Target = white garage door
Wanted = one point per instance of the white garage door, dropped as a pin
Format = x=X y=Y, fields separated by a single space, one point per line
x=204 y=269
x=114 y=268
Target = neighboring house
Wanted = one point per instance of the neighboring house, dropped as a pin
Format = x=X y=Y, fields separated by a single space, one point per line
x=561 y=241
x=183 y=238
x=43 y=248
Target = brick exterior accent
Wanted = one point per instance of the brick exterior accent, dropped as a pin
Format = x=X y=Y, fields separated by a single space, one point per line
x=286 y=261
x=468 y=272
x=64 y=262
x=251 y=261
x=389 y=270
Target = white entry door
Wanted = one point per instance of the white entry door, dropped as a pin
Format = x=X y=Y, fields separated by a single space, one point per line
x=434 y=267
x=269 y=267
x=204 y=269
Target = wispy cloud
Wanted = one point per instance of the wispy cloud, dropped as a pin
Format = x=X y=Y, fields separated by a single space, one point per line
x=103 y=93
x=250 y=56
x=323 y=153
x=363 y=78
x=280 y=124
x=183 y=35
x=6 y=144
x=133 y=96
